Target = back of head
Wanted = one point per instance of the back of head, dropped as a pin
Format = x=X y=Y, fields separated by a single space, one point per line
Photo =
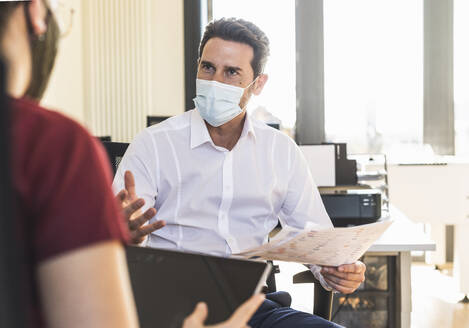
x=42 y=45
x=242 y=31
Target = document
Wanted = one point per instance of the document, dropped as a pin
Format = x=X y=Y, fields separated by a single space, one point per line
x=313 y=245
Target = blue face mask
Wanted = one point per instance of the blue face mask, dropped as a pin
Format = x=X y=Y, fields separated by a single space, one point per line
x=217 y=103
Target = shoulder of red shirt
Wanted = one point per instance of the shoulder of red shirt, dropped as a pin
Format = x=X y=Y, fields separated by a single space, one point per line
x=46 y=123
x=63 y=175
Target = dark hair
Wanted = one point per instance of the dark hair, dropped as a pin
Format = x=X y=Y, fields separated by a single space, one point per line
x=239 y=30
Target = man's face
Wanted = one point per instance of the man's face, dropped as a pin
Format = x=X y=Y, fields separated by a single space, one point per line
x=229 y=62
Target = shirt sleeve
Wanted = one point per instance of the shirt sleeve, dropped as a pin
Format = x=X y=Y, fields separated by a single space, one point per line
x=73 y=203
x=302 y=202
x=141 y=159
x=316 y=271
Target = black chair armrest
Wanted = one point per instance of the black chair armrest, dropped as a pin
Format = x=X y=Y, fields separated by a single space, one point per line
x=305 y=277
x=322 y=298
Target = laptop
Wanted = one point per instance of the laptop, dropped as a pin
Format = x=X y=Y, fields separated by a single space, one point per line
x=168 y=284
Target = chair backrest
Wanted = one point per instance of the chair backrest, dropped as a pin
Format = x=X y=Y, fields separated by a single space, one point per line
x=105 y=138
x=274 y=125
x=115 y=152
x=152 y=120
x=12 y=255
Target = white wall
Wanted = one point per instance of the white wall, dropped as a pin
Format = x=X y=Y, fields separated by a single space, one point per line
x=168 y=57
x=71 y=92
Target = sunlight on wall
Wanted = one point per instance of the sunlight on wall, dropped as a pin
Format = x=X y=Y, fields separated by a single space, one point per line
x=373 y=72
x=277 y=20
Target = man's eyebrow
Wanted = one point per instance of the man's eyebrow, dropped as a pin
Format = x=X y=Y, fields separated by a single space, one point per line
x=234 y=68
x=205 y=62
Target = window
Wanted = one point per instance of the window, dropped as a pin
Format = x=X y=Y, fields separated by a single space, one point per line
x=277 y=20
x=373 y=65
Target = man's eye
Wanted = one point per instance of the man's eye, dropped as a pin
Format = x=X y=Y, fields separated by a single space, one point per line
x=232 y=72
x=206 y=67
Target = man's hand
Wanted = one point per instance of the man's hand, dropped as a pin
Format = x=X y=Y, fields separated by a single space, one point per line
x=345 y=278
x=239 y=319
x=131 y=208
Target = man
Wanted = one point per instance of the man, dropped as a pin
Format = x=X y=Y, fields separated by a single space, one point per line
x=220 y=179
x=75 y=265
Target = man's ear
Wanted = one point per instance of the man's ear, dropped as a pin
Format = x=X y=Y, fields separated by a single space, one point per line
x=259 y=84
x=37 y=14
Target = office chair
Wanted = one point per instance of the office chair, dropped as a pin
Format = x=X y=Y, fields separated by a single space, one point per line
x=115 y=152
x=152 y=120
x=274 y=125
x=322 y=298
x=104 y=138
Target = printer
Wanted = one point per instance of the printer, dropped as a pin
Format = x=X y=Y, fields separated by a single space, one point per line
x=348 y=207
x=347 y=202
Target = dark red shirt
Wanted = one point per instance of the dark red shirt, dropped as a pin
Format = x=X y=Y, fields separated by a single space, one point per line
x=62 y=180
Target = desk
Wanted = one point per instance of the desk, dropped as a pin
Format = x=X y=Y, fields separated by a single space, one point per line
x=402 y=237
x=438 y=194
x=394 y=247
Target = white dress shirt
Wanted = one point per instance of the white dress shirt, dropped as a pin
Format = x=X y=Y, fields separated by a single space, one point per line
x=217 y=201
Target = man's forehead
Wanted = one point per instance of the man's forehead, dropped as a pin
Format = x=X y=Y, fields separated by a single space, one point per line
x=227 y=53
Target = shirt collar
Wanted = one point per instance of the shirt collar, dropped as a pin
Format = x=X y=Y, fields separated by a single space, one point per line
x=199 y=131
x=248 y=128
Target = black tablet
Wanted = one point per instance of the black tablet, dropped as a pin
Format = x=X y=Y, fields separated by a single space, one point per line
x=168 y=284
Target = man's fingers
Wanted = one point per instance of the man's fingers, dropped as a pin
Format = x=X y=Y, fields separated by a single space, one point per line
x=345 y=278
x=338 y=287
x=343 y=282
x=141 y=219
x=132 y=208
x=130 y=184
x=121 y=197
x=357 y=267
x=148 y=229
x=246 y=311
x=343 y=275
